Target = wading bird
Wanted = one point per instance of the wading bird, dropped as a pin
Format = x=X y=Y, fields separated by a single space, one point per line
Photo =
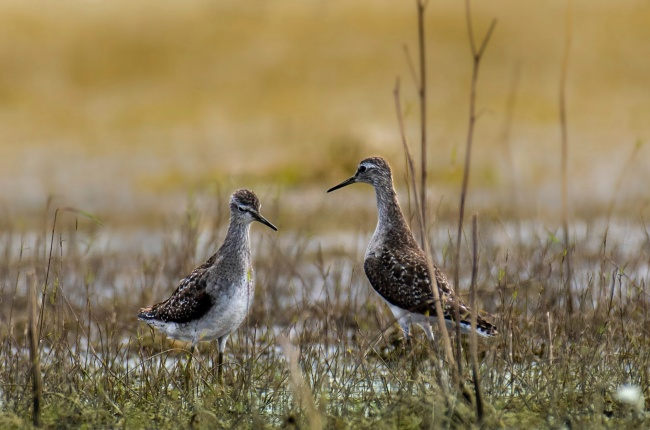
x=397 y=267
x=213 y=300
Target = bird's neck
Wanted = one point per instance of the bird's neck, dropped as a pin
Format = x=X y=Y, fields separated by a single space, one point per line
x=236 y=245
x=390 y=218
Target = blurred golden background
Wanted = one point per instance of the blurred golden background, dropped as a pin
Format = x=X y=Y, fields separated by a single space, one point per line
x=124 y=108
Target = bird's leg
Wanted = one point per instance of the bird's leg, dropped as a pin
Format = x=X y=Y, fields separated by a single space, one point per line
x=220 y=368
x=427 y=329
x=405 y=325
x=222 y=345
x=187 y=367
x=408 y=351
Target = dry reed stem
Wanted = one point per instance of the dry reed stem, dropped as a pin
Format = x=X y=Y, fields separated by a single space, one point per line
x=299 y=386
x=409 y=160
x=47 y=276
x=476 y=57
x=565 y=155
x=550 y=336
x=473 y=338
x=76 y=211
x=436 y=295
x=422 y=92
x=34 y=356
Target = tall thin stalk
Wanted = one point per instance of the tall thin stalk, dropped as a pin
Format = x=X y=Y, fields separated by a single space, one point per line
x=34 y=356
x=422 y=91
x=421 y=204
x=565 y=156
x=41 y=317
x=47 y=277
x=436 y=295
x=473 y=339
x=477 y=54
x=300 y=387
x=409 y=161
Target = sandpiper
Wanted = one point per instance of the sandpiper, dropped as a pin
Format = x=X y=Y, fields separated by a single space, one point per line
x=397 y=267
x=212 y=301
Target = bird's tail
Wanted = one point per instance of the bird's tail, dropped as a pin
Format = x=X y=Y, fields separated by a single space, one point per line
x=484 y=328
x=146 y=314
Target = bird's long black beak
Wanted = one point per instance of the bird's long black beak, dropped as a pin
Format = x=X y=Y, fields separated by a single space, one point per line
x=352 y=180
x=263 y=220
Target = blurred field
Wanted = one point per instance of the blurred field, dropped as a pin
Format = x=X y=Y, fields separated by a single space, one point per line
x=125 y=107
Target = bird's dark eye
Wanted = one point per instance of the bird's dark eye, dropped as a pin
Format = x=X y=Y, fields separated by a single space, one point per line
x=362 y=169
x=241 y=208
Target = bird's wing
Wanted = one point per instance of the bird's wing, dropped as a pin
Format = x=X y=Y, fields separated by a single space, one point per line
x=190 y=300
x=403 y=280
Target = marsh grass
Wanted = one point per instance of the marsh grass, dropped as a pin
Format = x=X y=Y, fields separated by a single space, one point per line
x=102 y=368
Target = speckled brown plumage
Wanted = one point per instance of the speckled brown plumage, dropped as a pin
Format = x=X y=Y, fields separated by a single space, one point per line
x=397 y=267
x=189 y=302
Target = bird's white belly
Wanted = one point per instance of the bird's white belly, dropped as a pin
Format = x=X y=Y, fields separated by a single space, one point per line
x=400 y=314
x=224 y=317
